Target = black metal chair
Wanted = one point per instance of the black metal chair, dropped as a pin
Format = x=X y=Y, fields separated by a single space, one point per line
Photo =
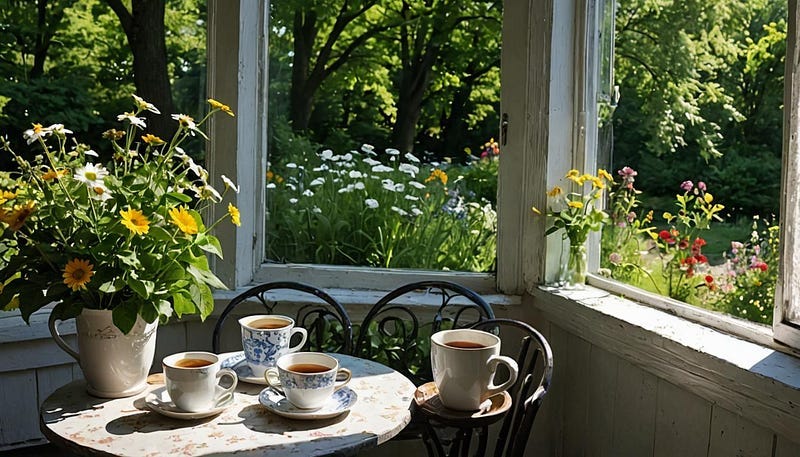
x=328 y=324
x=535 y=360
x=395 y=334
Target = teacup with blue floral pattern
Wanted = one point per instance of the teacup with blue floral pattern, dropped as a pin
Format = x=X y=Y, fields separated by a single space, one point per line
x=307 y=379
x=266 y=337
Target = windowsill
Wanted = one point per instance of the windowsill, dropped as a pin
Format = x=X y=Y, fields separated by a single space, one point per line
x=746 y=378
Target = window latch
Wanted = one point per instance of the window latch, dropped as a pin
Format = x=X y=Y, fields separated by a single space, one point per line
x=504 y=130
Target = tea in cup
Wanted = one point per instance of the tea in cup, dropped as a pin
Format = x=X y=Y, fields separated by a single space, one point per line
x=267 y=337
x=307 y=379
x=192 y=380
x=464 y=363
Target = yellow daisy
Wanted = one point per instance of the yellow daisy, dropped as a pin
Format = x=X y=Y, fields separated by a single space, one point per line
x=152 y=140
x=135 y=221
x=605 y=175
x=184 y=220
x=234 y=213
x=217 y=105
x=77 y=274
x=437 y=174
x=16 y=219
x=555 y=192
x=574 y=204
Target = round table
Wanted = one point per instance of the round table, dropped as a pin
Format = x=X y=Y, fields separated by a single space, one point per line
x=72 y=419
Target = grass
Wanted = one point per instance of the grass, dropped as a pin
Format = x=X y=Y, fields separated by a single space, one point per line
x=718 y=239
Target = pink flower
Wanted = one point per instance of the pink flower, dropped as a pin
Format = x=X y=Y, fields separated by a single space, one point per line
x=615 y=258
x=627 y=174
x=701 y=185
x=687 y=185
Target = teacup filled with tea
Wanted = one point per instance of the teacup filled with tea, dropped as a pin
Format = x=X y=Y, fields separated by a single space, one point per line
x=307 y=379
x=193 y=380
x=266 y=337
x=464 y=363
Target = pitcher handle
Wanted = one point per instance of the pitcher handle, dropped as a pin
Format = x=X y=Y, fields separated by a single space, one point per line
x=51 y=324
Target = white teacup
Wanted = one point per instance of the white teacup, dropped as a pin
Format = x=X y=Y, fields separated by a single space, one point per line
x=266 y=337
x=192 y=380
x=307 y=379
x=464 y=362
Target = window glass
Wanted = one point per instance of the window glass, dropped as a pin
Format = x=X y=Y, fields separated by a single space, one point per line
x=382 y=126
x=695 y=146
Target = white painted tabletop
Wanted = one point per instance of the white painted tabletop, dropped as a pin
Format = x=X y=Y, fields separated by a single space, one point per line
x=86 y=425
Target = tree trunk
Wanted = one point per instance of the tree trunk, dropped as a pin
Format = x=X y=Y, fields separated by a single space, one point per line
x=301 y=96
x=454 y=126
x=145 y=30
x=413 y=84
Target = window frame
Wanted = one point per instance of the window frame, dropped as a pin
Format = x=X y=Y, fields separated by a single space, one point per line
x=550 y=83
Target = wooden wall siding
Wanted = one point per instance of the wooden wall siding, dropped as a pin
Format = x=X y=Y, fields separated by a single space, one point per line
x=600 y=404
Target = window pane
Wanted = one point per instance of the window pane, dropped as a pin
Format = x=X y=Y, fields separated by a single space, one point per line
x=696 y=149
x=383 y=116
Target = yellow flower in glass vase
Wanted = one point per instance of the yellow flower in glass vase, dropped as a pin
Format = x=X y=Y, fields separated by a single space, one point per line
x=575 y=214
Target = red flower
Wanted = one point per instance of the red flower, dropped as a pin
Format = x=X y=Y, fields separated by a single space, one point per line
x=664 y=235
x=699 y=242
x=683 y=244
x=701 y=258
x=709 y=279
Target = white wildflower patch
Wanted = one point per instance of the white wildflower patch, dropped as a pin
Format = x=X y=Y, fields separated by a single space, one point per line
x=371 y=203
x=416 y=211
x=293 y=201
x=400 y=211
x=271 y=185
x=392 y=152
x=323 y=167
x=359 y=185
x=317 y=181
x=308 y=193
x=416 y=184
x=409 y=169
x=355 y=174
x=382 y=169
x=316 y=210
x=291 y=165
x=371 y=162
x=347 y=157
x=369 y=149
x=131 y=117
x=413 y=198
x=411 y=157
x=326 y=154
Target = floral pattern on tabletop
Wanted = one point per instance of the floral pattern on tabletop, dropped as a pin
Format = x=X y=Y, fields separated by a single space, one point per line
x=123 y=231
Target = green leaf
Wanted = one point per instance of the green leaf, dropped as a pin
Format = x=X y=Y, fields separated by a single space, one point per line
x=203 y=299
x=207 y=277
x=210 y=243
x=182 y=304
x=142 y=288
x=112 y=286
x=124 y=316
x=158 y=233
x=178 y=197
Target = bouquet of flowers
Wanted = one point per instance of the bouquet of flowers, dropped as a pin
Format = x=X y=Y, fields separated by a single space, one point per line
x=577 y=213
x=127 y=235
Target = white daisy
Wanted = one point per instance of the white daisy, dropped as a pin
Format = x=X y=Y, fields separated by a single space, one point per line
x=59 y=129
x=355 y=174
x=100 y=192
x=308 y=193
x=143 y=105
x=130 y=117
x=392 y=152
x=293 y=200
x=326 y=154
x=317 y=182
x=371 y=203
x=416 y=211
x=359 y=186
x=92 y=175
x=413 y=198
x=411 y=157
x=382 y=169
x=229 y=184
x=34 y=134
x=371 y=162
x=416 y=184
x=411 y=170
x=400 y=211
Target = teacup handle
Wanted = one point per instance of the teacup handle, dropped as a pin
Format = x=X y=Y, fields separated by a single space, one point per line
x=224 y=392
x=513 y=370
x=303 y=337
x=51 y=324
x=343 y=372
x=271 y=376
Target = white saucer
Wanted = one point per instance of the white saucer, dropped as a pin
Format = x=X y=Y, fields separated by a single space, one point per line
x=238 y=363
x=158 y=400
x=340 y=402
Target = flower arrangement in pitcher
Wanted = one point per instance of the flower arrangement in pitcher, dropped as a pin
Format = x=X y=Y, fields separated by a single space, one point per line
x=127 y=235
x=576 y=213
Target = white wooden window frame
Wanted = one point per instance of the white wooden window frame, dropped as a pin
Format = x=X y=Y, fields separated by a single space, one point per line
x=549 y=86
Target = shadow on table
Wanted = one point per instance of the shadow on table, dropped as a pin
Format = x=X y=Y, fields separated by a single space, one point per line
x=256 y=418
x=149 y=421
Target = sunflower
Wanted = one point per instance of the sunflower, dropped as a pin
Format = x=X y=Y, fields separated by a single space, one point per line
x=135 y=221
x=77 y=274
x=235 y=216
x=184 y=220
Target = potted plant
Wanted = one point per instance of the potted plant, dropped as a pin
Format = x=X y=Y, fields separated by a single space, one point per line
x=120 y=246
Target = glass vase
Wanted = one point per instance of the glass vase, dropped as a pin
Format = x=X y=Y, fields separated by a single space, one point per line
x=575 y=277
